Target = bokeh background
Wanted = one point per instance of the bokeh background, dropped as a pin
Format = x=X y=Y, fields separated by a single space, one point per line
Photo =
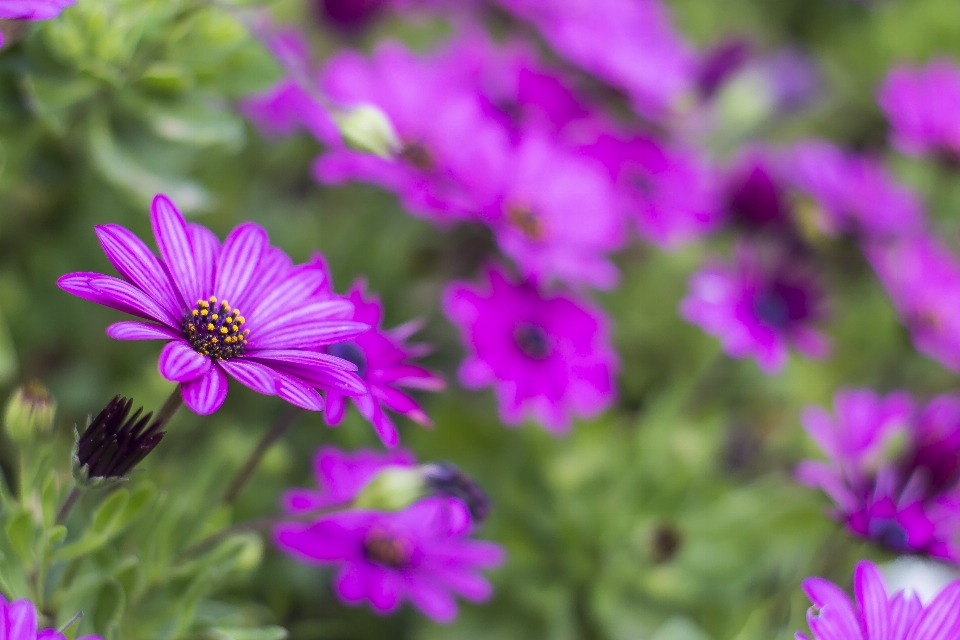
x=673 y=516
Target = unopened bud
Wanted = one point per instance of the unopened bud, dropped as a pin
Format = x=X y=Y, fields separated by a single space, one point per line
x=113 y=444
x=30 y=412
x=444 y=478
x=368 y=129
x=392 y=489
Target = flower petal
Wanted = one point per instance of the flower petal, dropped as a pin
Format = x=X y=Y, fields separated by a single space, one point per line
x=435 y=602
x=238 y=263
x=872 y=599
x=336 y=407
x=298 y=285
x=131 y=257
x=206 y=249
x=116 y=294
x=180 y=363
x=21 y=620
x=322 y=311
x=253 y=375
x=307 y=334
x=299 y=394
x=173 y=239
x=941 y=620
x=132 y=330
x=206 y=394
x=303 y=358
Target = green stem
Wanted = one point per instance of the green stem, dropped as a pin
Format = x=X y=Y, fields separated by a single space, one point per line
x=170 y=407
x=277 y=431
x=68 y=504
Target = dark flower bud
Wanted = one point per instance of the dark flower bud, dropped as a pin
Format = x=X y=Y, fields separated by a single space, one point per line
x=665 y=542
x=445 y=478
x=114 y=443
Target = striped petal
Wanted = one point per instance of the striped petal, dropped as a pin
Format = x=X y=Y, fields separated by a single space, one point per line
x=132 y=330
x=206 y=250
x=180 y=363
x=326 y=310
x=131 y=257
x=941 y=620
x=307 y=334
x=274 y=265
x=299 y=393
x=173 y=239
x=238 y=262
x=114 y=293
x=206 y=394
x=297 y=286
x=872 y=598
x=254 y=375
x=301 y=358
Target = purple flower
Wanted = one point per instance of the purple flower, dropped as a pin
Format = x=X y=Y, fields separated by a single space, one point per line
x=758 y=306
x=922 y=279
x=923 y=107
x=349 y=16
x=340 y=477
x=548 y=358
x=31 y=10
x=193 y=296
x=891 y=471
x=755 y=193
x=422 y=554
x=672 y=192
x=383 y=364
x=557 y=216
x=451 y=151
x=628 y=43
x=877 y=615
x=855 y=194
x=720 y=63
x=18 y=621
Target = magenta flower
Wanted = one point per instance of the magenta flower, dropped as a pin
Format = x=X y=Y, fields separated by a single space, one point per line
x=383 y=361
x=759 y=306
x=855 y=194
x=193 y=296
x=923 y=107
x=628 y=43
x=891 y=472
x=422 y=554
x=18 y=621
x=340 y=477
x=922 y=279
x=875 y=615
x=672 y=193
x=31 y=10
x=557 y=216
x=450 y=149
x=756 y=194
x=546 y=357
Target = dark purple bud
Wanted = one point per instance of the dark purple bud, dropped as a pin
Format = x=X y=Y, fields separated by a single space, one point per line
x=445 y=478
x=115 y=442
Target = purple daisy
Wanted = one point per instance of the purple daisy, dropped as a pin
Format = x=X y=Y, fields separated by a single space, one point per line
x=877 y=615
x=855 y=193
x=923 y=107
x=546 y=357
x=18 y=621
x=557 y=216
x=340 y=477
x=423 y=554
x=383 y=361
x=449 y=147
x=31 y=10
x=758 y=306
x=629 y=43
x=891 y=472
x=923 y=278
x=193 y=296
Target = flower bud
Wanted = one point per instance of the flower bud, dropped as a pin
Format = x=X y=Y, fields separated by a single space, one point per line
x=30 y=412
x=368 y=129
x=392 y=489
x=444 y=478
x=113 y=444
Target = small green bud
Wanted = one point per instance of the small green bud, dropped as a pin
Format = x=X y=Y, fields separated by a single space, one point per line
x=368 y=129
x=30 y=412
x=392 y=489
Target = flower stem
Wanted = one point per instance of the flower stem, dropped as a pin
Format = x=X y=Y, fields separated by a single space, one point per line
x=170 y=407
x=68 y=504
x=277 y=431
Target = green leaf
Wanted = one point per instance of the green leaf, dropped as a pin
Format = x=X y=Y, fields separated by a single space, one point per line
x=108 y=513
x=49 y=497
x=111 y=603
x=20 y=533
x=196 y=123
x=140 y=498
x=56 y=534
x=263 y=633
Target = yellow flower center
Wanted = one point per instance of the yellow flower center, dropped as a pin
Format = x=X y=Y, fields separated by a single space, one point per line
x=215 y=330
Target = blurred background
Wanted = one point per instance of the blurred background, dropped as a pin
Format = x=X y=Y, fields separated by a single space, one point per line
x=674 y=515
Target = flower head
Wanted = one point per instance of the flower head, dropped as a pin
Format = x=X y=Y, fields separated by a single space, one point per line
x=759 y=306
x=239 y=308
x=557 y=216
x=18 y=621
x=422 y=554
x=114 y=443
x=448 y=146
x=30 y=412
x=922 y=278
x=855 y=194
x=32 y=10
x=546 y=357
x=892 y=471
x=923 y=107
x=384 y=363
x=877 y=615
